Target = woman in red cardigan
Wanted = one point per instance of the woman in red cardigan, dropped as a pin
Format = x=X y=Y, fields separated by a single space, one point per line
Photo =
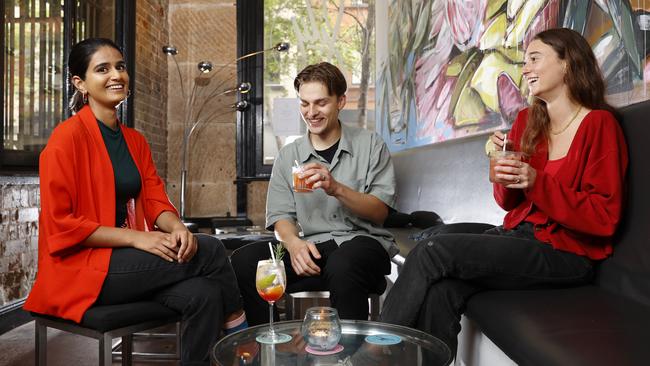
x=107 y=231
x=564 y=202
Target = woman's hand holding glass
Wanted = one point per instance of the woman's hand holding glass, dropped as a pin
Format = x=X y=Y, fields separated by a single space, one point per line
x=514 y=173
x=508 y=167
x=498 y=138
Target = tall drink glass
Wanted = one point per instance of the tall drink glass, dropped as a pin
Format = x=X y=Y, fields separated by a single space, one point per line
x=270 y=281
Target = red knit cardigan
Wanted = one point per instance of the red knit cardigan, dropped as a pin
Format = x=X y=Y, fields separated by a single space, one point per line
x=77 y=188
x=584 y=200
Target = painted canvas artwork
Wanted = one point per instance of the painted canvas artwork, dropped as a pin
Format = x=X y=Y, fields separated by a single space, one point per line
x=452 y=68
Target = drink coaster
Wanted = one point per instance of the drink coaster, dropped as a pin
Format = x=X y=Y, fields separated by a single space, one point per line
x=279 y=338
x=383 y=339
x=338 y=348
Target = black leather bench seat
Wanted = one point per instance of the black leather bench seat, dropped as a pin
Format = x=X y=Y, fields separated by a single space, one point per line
x=575 y=326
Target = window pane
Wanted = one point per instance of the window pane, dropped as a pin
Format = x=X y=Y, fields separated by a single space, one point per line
x=32 y=72
x=33 y=75
x=95 y=19
x=340 y=32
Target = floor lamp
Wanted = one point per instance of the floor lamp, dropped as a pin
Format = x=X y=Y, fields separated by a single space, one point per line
x=194 y=112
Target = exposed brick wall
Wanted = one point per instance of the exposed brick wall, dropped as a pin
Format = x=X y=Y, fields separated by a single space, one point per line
x=151 y=78
x=19 y=205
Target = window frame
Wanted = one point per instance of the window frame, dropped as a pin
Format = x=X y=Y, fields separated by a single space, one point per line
x=250 y=129
x=21 y=161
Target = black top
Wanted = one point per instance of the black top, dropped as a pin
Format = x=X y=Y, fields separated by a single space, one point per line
x=328 y=154
x=127 y=176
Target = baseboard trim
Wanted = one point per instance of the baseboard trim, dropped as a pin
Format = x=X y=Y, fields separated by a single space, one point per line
x=13 y=315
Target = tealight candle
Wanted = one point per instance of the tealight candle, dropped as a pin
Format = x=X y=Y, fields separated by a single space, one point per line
x=321 y=328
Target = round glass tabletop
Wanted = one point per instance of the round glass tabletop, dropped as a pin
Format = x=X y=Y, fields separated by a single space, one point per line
x=364 y=343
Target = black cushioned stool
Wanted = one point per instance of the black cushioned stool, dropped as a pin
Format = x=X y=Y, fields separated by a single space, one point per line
x=105 y=323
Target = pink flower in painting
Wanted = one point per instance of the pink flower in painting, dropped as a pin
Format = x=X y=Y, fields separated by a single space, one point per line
x=465 y=18
x=456 y=23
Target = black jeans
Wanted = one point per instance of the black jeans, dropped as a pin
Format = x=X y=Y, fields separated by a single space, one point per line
x=350 y=272
x=442 y=272
x=204 y=290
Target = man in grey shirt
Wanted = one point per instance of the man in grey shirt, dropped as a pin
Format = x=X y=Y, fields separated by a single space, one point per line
x=343 y=246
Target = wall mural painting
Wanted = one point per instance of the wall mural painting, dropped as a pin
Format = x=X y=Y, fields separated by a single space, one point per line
x=452 y=68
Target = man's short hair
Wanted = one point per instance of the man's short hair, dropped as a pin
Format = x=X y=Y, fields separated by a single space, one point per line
x=325 y=73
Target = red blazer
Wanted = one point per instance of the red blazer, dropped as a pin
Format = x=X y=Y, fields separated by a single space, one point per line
x=77 y=187
x=584 y=201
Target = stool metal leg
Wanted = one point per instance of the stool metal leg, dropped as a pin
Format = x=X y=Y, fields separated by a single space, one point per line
x=105 y=350
x=118 y=346
x=127 y=349
x=178 y=340
x=41 y=343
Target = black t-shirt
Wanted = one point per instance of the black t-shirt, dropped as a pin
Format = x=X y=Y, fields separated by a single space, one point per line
x=127 y=177
x=328 y=154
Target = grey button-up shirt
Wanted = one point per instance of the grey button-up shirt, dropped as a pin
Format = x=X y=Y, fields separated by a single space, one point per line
x=361 y=162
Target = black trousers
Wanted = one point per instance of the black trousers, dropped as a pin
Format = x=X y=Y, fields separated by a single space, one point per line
x=204 y=290
x=350 y=272
x=442 y=272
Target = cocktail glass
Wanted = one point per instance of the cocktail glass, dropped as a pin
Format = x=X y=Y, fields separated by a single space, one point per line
x=300 y=185
x=270 y=281
x=497 y=155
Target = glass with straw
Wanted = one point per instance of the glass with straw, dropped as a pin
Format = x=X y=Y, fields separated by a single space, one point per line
x=270 y=281
x=503 y=155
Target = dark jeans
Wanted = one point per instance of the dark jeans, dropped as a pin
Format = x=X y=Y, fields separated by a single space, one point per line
x=350 y=272
x=442 y=272
x=204 y=291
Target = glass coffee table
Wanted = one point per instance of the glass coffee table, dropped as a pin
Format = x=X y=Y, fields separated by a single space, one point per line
x=365 y=343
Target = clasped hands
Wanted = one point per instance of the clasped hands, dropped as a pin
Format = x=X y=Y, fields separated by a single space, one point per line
x=178 y=245
x=512 y=173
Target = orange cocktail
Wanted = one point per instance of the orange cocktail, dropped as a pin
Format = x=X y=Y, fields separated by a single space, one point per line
x=300 y=184
x=271 y=294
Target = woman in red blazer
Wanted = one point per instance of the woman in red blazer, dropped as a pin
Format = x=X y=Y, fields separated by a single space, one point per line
x=564 y=202
x=107 y=231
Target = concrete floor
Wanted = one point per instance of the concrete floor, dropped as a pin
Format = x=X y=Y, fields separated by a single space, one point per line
x=64 y=349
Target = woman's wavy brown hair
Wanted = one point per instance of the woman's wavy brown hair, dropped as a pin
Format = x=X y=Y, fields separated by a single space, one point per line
x=583 y=78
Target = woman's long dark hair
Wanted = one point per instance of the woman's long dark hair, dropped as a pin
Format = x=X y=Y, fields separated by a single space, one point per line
x=583 y=78
x=78 y=62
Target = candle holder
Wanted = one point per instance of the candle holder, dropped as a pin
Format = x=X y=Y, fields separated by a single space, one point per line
x=321 y=329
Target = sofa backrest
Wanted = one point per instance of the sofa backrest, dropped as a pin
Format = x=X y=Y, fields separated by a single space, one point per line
x=627 y=271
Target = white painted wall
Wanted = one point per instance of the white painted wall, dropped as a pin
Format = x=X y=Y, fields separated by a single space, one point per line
x=449 y=178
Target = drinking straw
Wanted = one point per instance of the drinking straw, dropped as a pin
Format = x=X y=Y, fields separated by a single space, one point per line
x=296 y=162
x=271 y=250
x=505 y=141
